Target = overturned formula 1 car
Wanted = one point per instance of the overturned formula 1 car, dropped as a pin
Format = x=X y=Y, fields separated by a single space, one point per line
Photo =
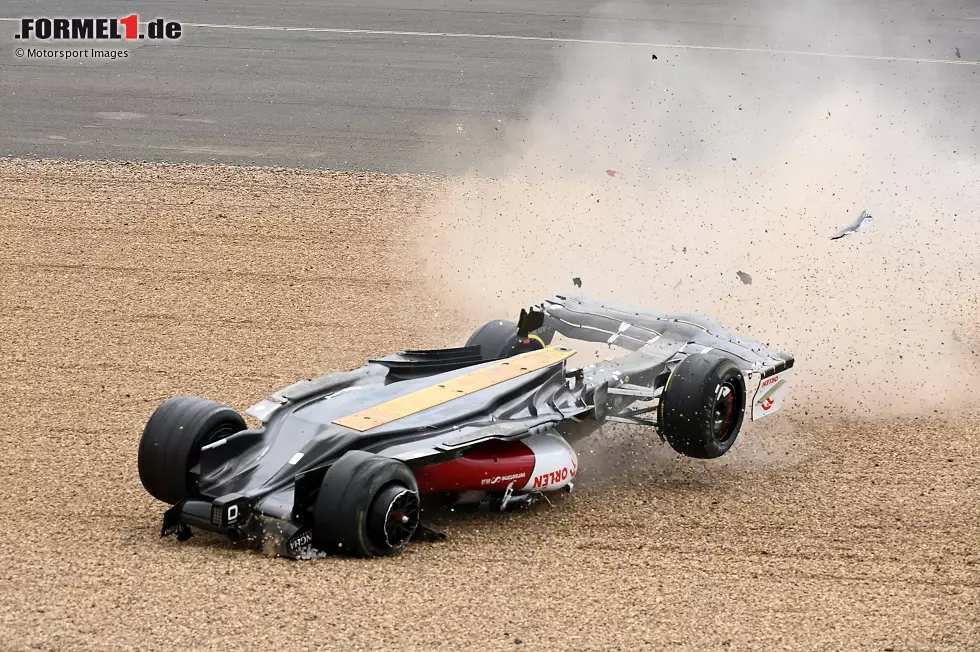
x=341 y=462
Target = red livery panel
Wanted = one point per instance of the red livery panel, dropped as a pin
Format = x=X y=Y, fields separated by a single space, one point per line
x=488 y=467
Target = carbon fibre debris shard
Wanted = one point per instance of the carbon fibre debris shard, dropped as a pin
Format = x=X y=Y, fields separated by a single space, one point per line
x=862 y=222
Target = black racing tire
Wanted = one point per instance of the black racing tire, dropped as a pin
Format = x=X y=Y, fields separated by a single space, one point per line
x=702 y=406
x=368 y=506
x=498 y=339
x=171 y=443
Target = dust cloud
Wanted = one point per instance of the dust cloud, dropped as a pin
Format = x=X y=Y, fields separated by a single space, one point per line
x=656 y=181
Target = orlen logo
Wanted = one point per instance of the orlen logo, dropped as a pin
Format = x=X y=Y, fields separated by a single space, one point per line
x=769 y=381
x=96 y=29
x=554 y=477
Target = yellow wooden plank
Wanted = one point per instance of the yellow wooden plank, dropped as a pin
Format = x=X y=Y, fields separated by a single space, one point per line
x=434 y=395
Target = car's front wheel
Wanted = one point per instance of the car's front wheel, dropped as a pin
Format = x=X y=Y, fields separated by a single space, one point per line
x=702 y=407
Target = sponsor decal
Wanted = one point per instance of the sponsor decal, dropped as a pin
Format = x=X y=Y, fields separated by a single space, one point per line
x=299 y=541
x=554 y=477
x=770 y=394
x=504 y=478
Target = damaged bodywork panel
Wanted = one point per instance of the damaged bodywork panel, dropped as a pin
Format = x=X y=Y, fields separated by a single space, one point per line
x=463 y=424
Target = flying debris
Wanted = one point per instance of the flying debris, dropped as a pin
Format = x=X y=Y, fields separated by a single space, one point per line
x=862 y=222
x=744 y=278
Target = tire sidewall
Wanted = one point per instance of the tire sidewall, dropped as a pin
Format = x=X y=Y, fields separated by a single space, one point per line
x=347 y=493
x=171 y=443
x=498 y=339
x=687 y=405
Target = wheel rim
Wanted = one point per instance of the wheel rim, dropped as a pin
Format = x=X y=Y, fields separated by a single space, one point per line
x=394 y=516
x=723 y=417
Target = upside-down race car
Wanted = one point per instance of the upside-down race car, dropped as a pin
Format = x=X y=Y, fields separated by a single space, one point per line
x=341 y=462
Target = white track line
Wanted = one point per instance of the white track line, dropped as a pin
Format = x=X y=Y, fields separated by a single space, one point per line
x=554 y=39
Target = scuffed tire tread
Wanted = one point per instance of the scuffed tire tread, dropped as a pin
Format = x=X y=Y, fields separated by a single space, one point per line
x=179 y=426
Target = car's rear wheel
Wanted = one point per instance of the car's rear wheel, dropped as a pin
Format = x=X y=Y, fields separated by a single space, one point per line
x=171 y=443
x=368 y=506
x=498 y=339
x=702 y=407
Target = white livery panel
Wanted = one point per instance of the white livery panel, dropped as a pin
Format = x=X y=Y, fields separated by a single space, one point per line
x=769 y=397
x=555 y=463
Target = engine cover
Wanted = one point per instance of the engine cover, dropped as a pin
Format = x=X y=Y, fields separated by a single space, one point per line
x=542 y=462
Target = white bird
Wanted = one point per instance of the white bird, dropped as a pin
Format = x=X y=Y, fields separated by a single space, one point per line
x=860 y=224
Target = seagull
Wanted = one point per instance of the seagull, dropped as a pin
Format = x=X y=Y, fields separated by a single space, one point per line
x=862 y=222
x=577 y=281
